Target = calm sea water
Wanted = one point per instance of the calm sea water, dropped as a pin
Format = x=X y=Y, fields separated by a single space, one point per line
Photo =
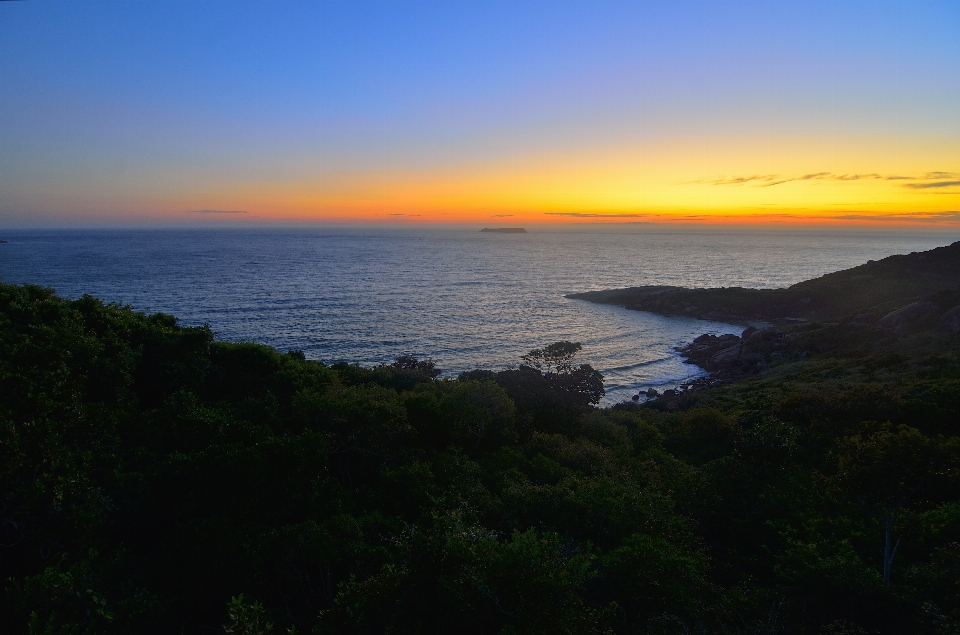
x=467 y=299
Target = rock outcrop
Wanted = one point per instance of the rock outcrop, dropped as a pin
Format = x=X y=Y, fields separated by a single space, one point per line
x=907 y=315
x=950 y=321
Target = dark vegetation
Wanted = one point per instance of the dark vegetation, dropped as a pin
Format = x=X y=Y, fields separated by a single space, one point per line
x=155 y=480
x=866 y=293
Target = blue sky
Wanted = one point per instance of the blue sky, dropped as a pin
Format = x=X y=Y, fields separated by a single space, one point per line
x=131 y=111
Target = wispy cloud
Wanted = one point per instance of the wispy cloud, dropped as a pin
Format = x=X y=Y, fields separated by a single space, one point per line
x=596 y=215
x=951 y=217
x=933 y=217
x=217 y=211
x=737 y=180
x=857 y=177
x=925 y=186
x=771 y=180
x=500 y=215
x=826 y=176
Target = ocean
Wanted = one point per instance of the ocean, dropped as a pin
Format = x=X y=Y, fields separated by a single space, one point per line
x=466 y=299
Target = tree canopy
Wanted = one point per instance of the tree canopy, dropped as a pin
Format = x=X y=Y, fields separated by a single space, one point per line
x=155 y=479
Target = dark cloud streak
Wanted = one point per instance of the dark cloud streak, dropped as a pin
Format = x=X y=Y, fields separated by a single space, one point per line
x=596 y=215
x=925 y=186
x=737 y=180
x=770 y=180
x=217 y=211
x=917 y=216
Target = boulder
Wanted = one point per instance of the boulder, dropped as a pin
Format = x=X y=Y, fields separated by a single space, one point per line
x=768 y=333
x=950 y=321
x=726 y=355
x=907 y=314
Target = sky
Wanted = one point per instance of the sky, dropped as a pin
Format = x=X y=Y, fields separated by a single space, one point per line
x=118 y=113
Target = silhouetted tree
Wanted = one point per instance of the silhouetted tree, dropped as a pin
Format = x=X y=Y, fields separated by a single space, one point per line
x=409 y=362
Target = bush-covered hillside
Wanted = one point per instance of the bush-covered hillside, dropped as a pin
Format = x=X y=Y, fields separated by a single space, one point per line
x=872 y=290
x=155 y=480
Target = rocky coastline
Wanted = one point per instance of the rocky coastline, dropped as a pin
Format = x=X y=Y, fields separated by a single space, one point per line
x=871 y=306
x=870 y=292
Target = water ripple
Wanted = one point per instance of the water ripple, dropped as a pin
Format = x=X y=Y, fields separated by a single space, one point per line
x=467 y=299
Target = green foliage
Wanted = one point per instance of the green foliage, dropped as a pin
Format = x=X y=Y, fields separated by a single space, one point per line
x=246 y=618
x=151 y=476
x=555 y=358
x=425 y=366
x=82 y=596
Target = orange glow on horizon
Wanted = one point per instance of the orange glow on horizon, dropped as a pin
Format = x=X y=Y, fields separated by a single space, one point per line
x=723 y=180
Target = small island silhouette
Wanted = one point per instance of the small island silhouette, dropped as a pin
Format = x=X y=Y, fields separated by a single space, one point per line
x=505 y=230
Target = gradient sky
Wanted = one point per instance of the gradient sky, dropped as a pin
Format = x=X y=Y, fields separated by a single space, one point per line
x=508 y=112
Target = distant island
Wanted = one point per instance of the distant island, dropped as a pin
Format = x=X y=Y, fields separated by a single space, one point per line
x=505 y=230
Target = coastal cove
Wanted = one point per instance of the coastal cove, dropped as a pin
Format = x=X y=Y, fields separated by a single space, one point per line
x=880 y=300
x=204 y=484
x=368 y=294
x=870 y=291
x=480 y=318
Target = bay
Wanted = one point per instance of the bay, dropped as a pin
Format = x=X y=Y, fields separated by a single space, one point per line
x=464 y=298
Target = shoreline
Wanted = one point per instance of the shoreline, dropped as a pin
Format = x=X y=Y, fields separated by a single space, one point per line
x=869 y=292
x=894 y=296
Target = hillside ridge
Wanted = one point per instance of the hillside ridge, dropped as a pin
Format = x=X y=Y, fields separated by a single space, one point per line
x=868 y=292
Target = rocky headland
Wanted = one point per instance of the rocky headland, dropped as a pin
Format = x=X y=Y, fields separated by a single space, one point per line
x=870 y=292
x=871 y=306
